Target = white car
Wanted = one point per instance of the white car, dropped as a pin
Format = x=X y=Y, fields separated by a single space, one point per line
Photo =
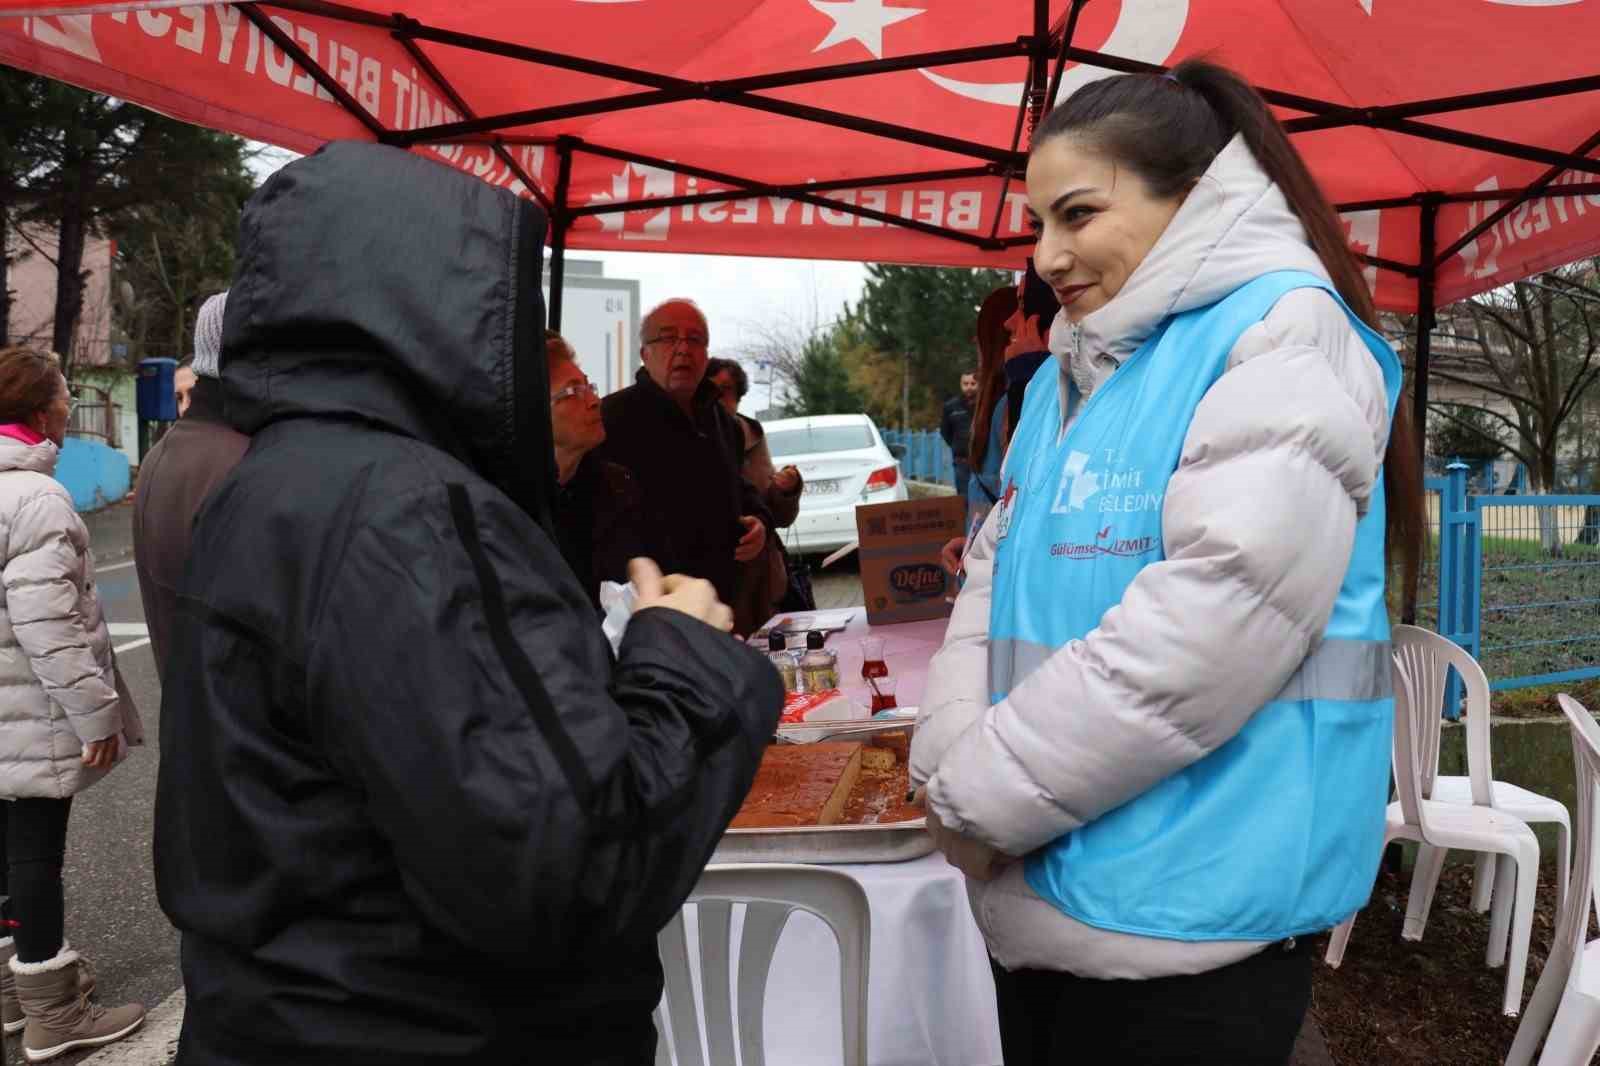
x=844 y=462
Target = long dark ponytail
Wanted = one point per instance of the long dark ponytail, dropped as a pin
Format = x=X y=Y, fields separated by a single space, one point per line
x=1168 y=128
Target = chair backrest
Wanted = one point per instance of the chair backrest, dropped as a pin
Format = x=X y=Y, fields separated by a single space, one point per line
x=1422 y=667
x=1572 y=928
x=770 y=893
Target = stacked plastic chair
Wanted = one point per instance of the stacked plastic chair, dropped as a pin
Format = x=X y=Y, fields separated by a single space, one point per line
x=1565 y=1008
x=1421 y=662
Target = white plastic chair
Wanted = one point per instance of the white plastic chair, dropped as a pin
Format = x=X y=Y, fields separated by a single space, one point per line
x=1571 y=976
x=1418 y=696
x=770 y=892
x=1428 y=656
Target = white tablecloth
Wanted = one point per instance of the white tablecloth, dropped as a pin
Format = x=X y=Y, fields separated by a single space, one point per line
x=930 y=995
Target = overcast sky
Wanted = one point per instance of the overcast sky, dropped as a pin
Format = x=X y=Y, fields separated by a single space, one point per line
x=741 y=296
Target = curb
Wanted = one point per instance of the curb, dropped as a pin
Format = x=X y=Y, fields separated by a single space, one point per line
x=155 y=1043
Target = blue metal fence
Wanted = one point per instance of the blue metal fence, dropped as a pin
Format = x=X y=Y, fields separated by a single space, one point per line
x=927 y=456
x=1519 y=581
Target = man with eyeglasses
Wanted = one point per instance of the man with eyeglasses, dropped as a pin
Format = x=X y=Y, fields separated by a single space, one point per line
x=685 y=450
x=598 y=503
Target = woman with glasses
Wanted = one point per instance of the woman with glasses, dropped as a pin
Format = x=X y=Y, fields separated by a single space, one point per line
x=597 y=510
x=65 y=718
x=763 y=581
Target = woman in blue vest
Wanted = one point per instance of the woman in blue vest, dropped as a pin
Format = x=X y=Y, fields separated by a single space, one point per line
x=1157 y=735
x=1011 y=346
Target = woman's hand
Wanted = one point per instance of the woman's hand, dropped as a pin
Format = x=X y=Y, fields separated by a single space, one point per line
x=677 y=592
x=972 y=857
x=754 y=540
x=100 y=754
x=950 y=555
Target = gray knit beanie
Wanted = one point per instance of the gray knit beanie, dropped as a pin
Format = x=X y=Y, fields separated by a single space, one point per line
x=208 y=336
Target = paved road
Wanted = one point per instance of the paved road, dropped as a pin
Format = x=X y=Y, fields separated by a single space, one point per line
x=112 y=914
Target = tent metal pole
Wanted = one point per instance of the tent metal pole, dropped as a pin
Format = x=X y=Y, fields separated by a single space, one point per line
x=1361 y=116
x=560 y=219
x=1478 y=196
x=702 y=173
x=328 y=82
x=1395 y=265
x=1025 y=112
x=1424 y=343
x=674 y=88
x=422 y=60
x=1543 y=181
x=1427 y=239
x=1067 y=34
x=787 y=190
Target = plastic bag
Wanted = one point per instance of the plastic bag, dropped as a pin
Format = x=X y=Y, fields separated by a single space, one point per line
x=616 y=604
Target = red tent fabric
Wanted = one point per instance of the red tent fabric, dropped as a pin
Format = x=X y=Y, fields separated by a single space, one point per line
x=697 y=127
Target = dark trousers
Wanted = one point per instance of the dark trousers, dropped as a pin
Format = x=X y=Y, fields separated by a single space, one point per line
x=1247 y=1014
x=33 y=843
x=963 y=475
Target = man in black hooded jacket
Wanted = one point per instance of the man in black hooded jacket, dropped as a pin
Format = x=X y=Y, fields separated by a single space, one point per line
x=410 y=808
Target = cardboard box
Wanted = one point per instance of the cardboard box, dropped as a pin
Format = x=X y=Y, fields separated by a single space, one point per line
x=900 y=544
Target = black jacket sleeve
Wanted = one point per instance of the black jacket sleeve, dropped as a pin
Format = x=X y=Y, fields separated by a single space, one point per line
x=541 y=799
x=947 y=428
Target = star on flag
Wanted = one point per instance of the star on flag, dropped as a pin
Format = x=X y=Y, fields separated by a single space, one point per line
x=860 y=20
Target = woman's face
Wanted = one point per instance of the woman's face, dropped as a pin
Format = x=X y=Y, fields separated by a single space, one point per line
x=1095 y=220
x=575 y=421
x=727 y=391
x=50 y=421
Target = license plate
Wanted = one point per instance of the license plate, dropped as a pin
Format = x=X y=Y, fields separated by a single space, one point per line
x=821 y=488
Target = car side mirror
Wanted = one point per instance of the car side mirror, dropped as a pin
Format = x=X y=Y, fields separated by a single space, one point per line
x=897 y=450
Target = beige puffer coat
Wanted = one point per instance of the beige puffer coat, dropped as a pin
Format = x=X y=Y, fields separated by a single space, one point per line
x=59 y=687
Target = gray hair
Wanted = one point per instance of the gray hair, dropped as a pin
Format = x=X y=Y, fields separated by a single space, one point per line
x=646 y=323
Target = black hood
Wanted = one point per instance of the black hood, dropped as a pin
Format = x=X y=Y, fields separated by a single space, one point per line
x=374 y=284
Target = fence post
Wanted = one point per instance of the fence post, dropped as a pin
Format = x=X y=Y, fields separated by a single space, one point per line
x=1454 y=573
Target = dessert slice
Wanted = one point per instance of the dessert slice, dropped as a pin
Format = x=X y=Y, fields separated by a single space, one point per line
x=801 y=784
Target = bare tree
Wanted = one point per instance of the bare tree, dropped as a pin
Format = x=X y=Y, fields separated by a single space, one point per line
x=1535 y=344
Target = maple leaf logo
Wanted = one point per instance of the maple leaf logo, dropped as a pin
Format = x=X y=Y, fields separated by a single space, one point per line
x=1361 y=230
x=636 y=182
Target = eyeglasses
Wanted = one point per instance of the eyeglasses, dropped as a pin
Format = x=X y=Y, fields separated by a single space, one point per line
x=672 y=340
x=577 y=388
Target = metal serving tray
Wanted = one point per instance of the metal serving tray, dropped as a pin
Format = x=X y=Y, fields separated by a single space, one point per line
x=891 y=842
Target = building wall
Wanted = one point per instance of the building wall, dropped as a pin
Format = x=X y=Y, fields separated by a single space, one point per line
x=32 y=279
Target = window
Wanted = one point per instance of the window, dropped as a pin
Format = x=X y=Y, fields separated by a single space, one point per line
x=786 y=442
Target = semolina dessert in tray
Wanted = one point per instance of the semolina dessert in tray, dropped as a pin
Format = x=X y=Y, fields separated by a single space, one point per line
x=830 y=783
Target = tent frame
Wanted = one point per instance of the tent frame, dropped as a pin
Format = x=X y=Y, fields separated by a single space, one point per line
x=1045 y=41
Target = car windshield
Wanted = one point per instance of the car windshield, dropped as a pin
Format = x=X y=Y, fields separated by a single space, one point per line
x=818 y=439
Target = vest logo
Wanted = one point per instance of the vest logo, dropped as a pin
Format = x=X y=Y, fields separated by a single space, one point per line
x=1105 y=544
x=1077 y=486
x=1105 y=491
x=917 y=581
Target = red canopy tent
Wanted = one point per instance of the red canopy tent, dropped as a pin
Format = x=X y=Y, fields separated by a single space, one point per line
x=1455 y=136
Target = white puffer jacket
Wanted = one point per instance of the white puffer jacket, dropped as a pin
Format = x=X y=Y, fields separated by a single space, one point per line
x=59 y=688
x=1259 y=523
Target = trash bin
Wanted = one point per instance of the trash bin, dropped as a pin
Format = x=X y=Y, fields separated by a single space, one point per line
x=157 y=395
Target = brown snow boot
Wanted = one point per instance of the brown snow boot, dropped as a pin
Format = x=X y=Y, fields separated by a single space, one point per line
x=59 y=1015
x=11 y=1018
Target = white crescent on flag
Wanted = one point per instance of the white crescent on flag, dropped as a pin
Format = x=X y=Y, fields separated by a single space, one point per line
x=1146 y=30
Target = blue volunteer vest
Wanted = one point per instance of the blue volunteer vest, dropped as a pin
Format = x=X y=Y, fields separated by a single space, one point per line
x=1277 y=832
